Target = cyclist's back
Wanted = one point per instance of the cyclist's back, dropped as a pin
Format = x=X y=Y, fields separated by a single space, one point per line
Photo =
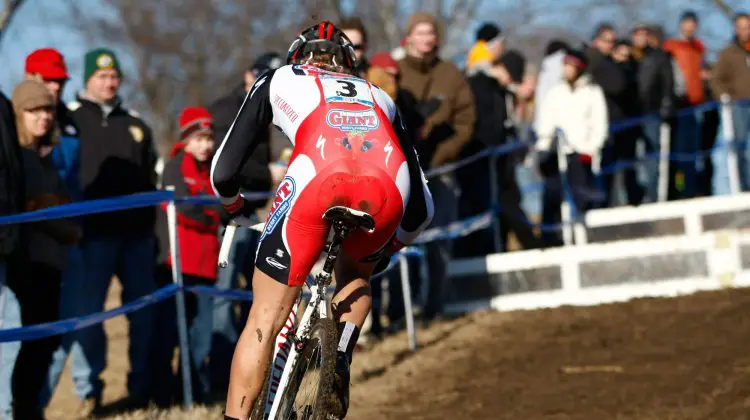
x=347 y=152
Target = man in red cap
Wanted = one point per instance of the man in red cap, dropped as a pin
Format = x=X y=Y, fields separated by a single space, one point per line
x=47 y=65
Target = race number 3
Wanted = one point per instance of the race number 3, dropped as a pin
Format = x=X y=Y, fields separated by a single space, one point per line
x=346 y=90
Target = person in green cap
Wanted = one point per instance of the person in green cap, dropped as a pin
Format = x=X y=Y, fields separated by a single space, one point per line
x=117 y=157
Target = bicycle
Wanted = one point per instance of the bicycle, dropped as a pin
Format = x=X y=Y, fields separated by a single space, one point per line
x=307 y=349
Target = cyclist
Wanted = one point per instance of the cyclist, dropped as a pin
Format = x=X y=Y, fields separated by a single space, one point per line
x=350 y=149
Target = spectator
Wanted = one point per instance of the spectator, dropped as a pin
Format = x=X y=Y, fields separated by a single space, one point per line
x=120 y=242
x=12 y=201
x=47 y=65
x=656 y=96
x=45 y=257
x=444 y=122
x=577 y=108
x=614 y=82
x=551 y=71
x=259 y=174
x=732 y=82
x=188 y=170
x=688 y=52
x=488 y=47
x=494 y=126
x=354 y=29
x=709 y=132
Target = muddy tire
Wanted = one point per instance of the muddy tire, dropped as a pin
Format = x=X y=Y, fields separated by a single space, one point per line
x=301 y=401
x=259 y=409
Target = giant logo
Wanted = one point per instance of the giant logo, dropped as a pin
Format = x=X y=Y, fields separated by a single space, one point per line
x=357 y=121
x=282 y=202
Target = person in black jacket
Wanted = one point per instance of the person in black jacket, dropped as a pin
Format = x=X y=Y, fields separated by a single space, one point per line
x=656 y=96
x=494 y=126
x=614 y=82
x=117 y=157
x=12 y=201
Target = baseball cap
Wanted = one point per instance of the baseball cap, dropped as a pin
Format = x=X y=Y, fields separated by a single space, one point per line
x=268 y=61
x=48 y=63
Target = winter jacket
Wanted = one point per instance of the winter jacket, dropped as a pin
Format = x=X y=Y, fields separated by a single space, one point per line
x=493 y=125
x=197 y=225
x=732 y=72
x=12 y=179
x=579 y=111
x=445 y=108
x=656 y=82
x=550 y=75
x=117 y=157
x=689 y=56
x=47 y=240
x=612 y=81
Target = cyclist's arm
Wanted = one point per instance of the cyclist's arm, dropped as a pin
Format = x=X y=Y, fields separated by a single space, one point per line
x=246 y=132
x=419 y=207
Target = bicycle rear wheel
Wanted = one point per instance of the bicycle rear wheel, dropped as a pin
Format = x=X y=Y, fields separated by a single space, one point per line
x=309 y=394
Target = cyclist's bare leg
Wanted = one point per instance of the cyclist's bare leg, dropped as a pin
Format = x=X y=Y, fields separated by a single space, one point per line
x=272 y=302
x=353 y=298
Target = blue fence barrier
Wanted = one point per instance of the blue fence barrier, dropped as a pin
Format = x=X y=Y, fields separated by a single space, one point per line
x=452 y=231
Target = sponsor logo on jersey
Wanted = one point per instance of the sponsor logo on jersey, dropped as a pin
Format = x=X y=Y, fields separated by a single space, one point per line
x=285 y=108
x=282 y=202
x=356 y=121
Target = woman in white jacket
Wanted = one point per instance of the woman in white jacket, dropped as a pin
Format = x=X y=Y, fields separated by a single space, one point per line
x=575 y=113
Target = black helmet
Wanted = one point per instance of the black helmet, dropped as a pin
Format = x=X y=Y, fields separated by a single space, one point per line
x=324 y=38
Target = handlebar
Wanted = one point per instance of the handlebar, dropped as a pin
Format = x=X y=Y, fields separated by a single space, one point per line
x=226 y=242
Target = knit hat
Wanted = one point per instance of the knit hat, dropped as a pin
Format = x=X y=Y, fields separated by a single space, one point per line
x=422 y=17
x=386 y=62
x=31 y=94
x=488 y=32
x=99 y=59
x=195 y=119
x=689 y=15
x=48 y=63
x=577 y=59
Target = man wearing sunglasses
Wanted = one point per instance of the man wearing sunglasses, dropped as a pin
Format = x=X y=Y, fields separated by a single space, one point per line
x=47 y=65
x=354 y=29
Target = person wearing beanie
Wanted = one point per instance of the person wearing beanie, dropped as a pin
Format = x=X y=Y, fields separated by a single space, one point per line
x=117 y=157
x=488 y=47
x=188 y=172
x=41 y=266
x=442 y=121
x=577 y=108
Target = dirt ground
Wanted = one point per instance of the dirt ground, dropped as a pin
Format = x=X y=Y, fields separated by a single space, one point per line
x=648 y=359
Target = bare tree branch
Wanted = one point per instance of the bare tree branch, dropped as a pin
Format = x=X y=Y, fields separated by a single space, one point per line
x=8 y=13
x=724 y=8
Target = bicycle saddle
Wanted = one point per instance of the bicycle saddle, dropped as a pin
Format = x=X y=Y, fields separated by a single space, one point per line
x=353 y=219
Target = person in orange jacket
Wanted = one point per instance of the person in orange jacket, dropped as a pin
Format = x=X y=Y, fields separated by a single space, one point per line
x=688 y=54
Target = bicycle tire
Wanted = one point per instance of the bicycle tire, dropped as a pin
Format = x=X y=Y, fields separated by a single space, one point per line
x=258 y=411
x=323 y=337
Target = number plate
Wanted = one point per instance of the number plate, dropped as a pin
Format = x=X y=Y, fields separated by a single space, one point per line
x=336 y=89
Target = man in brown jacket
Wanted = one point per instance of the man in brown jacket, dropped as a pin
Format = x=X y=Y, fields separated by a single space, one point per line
x=731 y=81
x=441 y=119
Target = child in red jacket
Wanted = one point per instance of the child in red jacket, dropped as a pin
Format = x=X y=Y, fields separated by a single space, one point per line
x=197 y=225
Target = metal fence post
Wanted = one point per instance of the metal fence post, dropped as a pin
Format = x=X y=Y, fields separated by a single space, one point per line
x=174 y=249
x=727 y=123
x=664 y=150
x=408 y=310
x=495 y=203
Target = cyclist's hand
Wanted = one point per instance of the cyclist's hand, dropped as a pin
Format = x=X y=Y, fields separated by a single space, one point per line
x=239 y=208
